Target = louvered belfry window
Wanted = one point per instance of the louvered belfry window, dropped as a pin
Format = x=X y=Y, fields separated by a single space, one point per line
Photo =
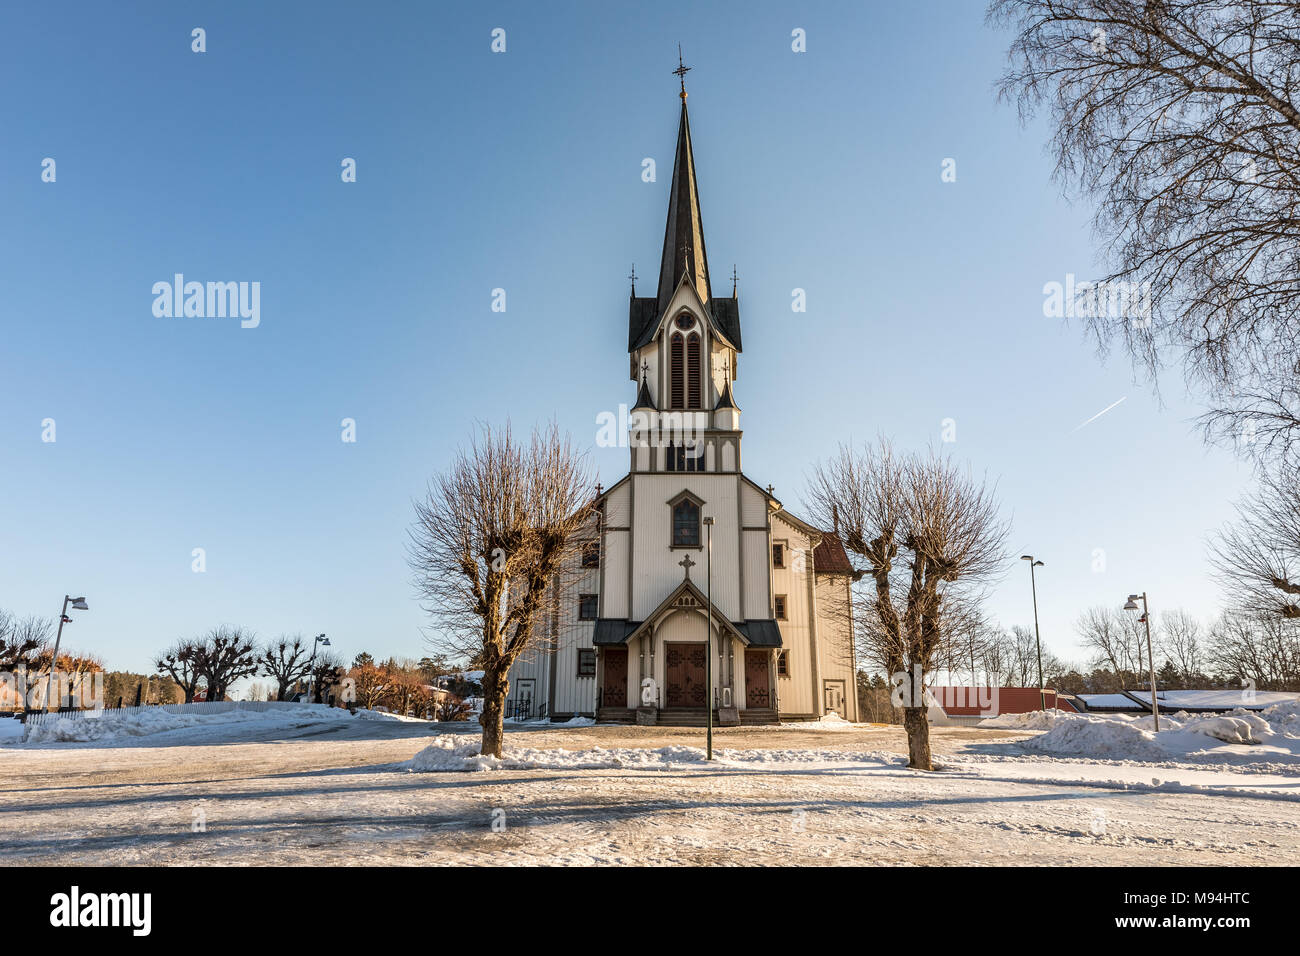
x=693 y=371
x=676 y=371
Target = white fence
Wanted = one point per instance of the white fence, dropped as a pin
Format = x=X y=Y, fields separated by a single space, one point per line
x=201 y=707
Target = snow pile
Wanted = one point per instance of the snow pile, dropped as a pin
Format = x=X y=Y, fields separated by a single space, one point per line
x=147 y=721
x=453 y=752
x=1097 y=736
x=1244 y=728
x=1284 y=718
x=1238 y=735
x=1033 y=720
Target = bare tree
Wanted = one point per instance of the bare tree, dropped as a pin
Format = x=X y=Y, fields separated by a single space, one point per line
x=1180 y=642
x=925 y=537
x=1262 y=649
x=1117 y=642
x=179 y=662
x=1258 y=557
x=1181 y=118
x=494 y=549
x=285 y=660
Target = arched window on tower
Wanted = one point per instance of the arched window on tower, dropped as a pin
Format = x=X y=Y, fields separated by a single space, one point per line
x=676 y=371
x=693 y=371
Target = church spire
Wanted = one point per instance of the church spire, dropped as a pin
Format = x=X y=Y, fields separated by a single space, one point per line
x=684 y=232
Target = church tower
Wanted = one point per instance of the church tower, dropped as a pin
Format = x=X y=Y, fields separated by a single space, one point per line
x=683 y=344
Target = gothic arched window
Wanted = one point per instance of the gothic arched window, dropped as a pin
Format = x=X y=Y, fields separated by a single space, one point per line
x=686 y=524
x=693 y=371
x=676 y=371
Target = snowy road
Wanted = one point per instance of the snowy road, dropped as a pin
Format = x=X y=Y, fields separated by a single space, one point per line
x=331 y=794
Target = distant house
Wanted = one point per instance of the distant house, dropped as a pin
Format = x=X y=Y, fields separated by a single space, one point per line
x=1192 y=701
x=967 y=705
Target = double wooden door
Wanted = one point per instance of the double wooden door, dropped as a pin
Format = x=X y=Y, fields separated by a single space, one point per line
x=684 y=675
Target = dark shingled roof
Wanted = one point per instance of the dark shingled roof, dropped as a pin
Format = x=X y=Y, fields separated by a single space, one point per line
x=643 y=318
x=760 y=633
x=829 y=557
x=642 y=315
x=611 y=630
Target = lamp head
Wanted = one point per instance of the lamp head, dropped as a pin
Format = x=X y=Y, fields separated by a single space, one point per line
x=80 y=604
x=708 y=519
x=1132 y=604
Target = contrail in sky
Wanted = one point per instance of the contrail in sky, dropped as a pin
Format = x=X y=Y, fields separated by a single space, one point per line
x=1100 y=413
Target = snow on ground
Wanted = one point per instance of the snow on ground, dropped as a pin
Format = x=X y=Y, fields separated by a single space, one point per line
x=182 y=727
x=456 y=753
x=365 y=714
x=333 y=791
x=831 y=721
x=11 y=730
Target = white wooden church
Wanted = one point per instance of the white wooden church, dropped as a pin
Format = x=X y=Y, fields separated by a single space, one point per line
x=631 y=642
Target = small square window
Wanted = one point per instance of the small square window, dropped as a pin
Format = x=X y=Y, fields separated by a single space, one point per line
x=591 y=554
x=783 y=664
x=779 y=606
x=778 y=555
x=587 y=606
x=586 y=662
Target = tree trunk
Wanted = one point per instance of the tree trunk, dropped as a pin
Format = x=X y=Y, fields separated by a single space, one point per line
x=918 y=738
x=495 y=688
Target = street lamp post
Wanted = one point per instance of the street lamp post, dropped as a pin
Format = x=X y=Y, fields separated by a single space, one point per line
x=708 y=637
x=81 y=605
x=1151 y=660
x=1038 y=642
x=323 y=641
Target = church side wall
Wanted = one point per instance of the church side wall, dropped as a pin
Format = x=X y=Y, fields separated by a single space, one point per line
x=615 y=579
x=796 y=694
x=835 y=628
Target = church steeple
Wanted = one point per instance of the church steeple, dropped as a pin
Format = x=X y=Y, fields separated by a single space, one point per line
x=684 y=233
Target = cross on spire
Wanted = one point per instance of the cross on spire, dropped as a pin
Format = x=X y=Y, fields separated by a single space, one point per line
x=681 y=71
x=633 y=278
x=645 y=367
x=687 y=563
x=734 y=279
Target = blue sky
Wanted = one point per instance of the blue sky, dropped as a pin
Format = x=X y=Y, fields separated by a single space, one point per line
x=522 y=170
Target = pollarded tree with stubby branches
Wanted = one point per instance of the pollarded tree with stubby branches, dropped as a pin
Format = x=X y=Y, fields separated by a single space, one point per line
x=1182 y=119
x=286 y=660
x=224 y=656
x=22 y=640
x=926 y=537
x=495 y=549
x=179 y=662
